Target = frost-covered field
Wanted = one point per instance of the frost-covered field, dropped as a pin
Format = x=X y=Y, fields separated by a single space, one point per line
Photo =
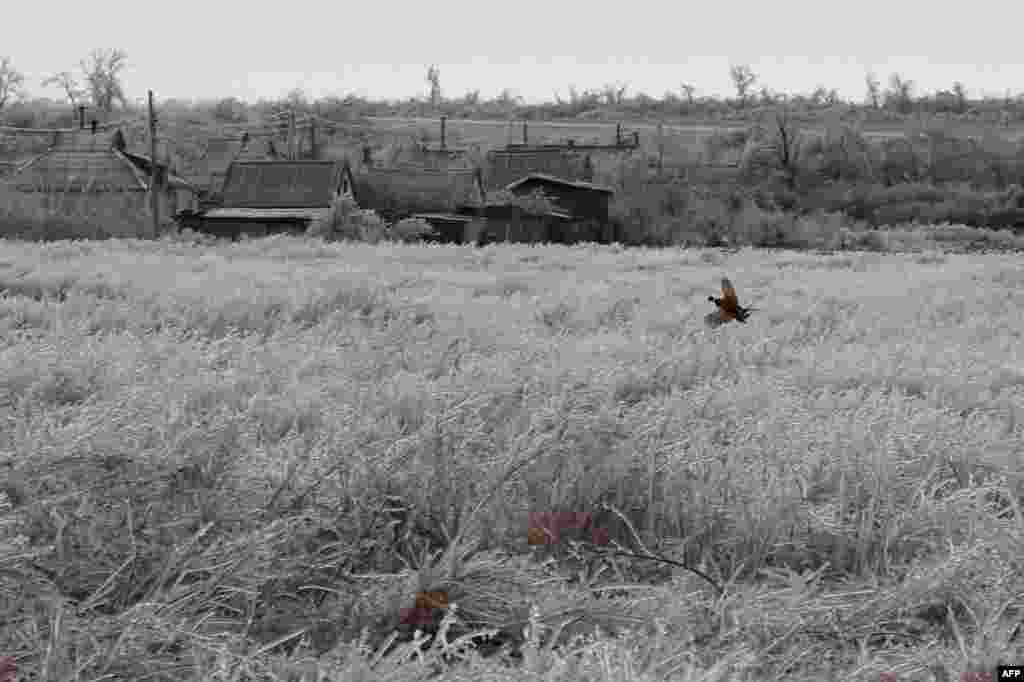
x=197 y=444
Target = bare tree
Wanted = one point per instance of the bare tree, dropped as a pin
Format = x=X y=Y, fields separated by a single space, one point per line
x=434 y=82
x=899 y=93
x=67 y=82
x=743 y=79
x=688 y=90
x=508 y=98
x=615 y=93
x=103 y=78
x=777 y=145
x=11 y=81
x=959 y=97
x=298 y=99
x=874 y=89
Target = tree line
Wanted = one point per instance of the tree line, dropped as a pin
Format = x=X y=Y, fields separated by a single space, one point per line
x=98 y=81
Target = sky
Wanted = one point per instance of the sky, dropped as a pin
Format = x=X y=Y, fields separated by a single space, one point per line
x=209 y=50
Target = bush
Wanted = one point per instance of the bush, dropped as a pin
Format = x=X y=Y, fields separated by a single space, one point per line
x=347 y=221
x=412 y=229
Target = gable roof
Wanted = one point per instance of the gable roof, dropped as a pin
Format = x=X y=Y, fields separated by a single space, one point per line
x=211 y=169
x=281 y=184
x=88 y=163
x=71 y=170
x=418 y=190
x=551 y=179
x=144 y=164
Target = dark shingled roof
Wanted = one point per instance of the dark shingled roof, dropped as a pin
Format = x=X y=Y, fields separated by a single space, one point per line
x=281 y=184
x=418 y=190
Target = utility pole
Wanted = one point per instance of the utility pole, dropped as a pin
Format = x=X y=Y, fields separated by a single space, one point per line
x=661 y=148
x=314 y=120
x=154 y=198
x=291 y=134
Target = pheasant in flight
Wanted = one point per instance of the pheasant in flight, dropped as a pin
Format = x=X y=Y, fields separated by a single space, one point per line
x=729 y=307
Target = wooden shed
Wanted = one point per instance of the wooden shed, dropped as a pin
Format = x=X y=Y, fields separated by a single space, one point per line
x=272 y=197
x=581 y=200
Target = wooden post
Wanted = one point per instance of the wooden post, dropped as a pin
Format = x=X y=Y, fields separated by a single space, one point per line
x=524 y=133
x=312 y=138
x=154 y=198
x=661 y=148
x=444 y=120
x=618 y=134
x=291 y=134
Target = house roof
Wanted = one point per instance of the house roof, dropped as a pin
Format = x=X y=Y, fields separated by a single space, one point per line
x=551 y=179
x=281 y=184
x=418 y=189
x=266 y=213
x=84 y=140
x=72 y=170
x=72 y=166
x=143 y=162
x=220 y=152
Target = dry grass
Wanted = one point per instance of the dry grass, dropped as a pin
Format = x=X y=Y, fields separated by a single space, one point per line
x=245 y=461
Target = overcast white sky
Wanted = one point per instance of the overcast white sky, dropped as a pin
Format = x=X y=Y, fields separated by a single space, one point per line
x=193 y=49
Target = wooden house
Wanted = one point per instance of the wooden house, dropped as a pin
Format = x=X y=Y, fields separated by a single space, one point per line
x=97 y=170
x=270 y=197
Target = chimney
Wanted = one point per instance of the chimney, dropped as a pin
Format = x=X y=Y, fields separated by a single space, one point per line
x=444 y=120
x=81 y=116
